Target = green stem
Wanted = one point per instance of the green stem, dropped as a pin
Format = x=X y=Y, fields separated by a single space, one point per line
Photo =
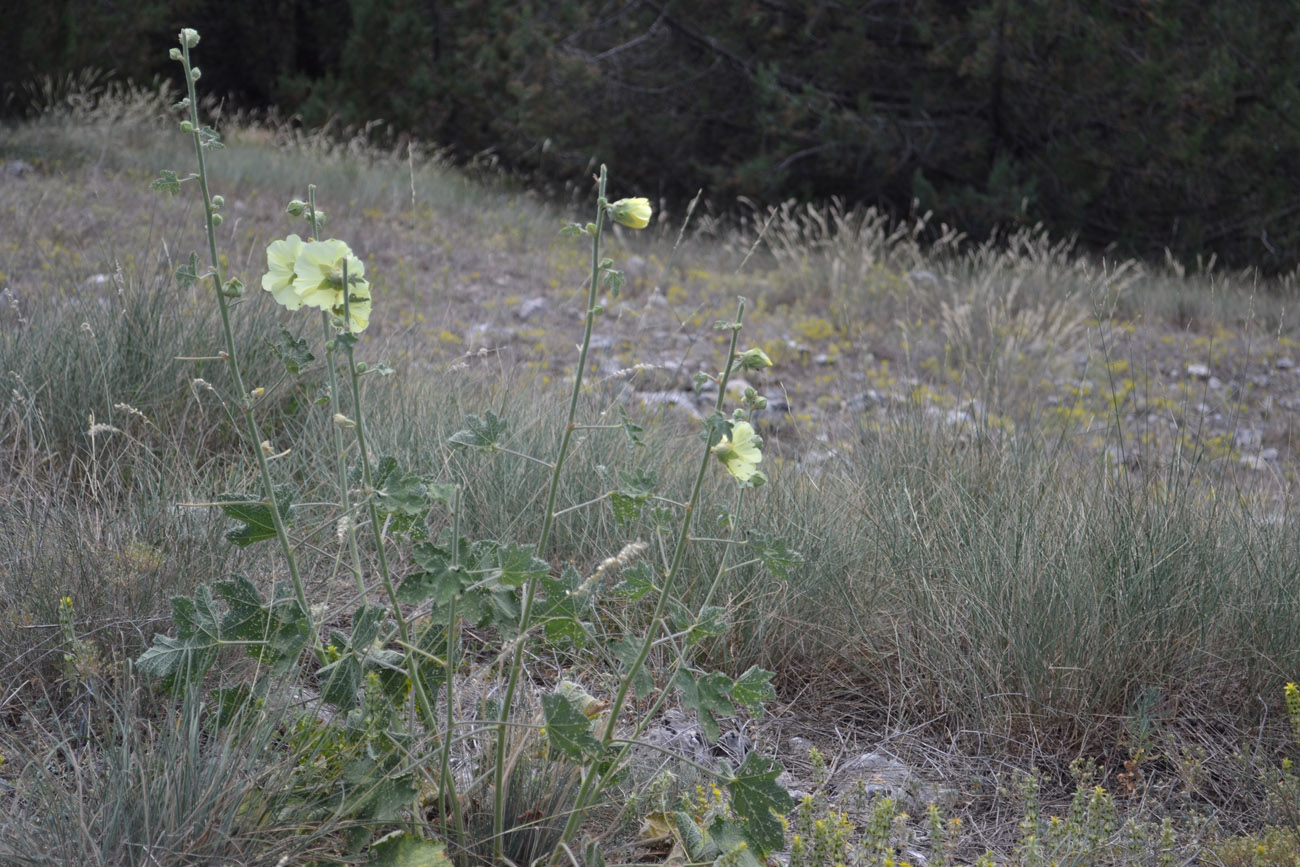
x=232 y=360
x=345 y=498
x=423 y=705
x=336 y=434
x=447 y=783
x=548 y=523
x=593 y=781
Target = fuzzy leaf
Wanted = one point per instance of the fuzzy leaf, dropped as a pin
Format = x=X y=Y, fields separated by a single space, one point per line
x=409 y=494
x=711 y=622
x=168 y=183
x=340 y=682
x=632 y=497
x=182 y=661
x=625 y=651
x=441 y=585
x=558 y=610
x=775 y=553
x=692 y=836
x=177 y=662
x=378 y=792
x=365 y=627
x=727 y=836
x=752 y=689
x=281 y=623
x=716 y=427
x=626 y=509
x=758 y=798
x=567 y=730
x=210 y=138
x=407 y=850
x=188 y=274
x=615 y=281
x=516 y=565
x=292 y=351
x=638 y=580
x=631 y=429
x=483 y=433
x=707 y=695
x=256 y=517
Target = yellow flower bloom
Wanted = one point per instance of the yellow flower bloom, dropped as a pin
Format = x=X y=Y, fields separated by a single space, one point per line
x=318 y=281
x=739 y=452
x=633 y=213
x=279 y=276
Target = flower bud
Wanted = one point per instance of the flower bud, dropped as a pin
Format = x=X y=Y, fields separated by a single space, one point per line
x=633 y=213
x=189 y=37
x=297 y=207
x=195 y=74
x=759 y=402
x=175 y=54
x=342 y=421
x=218 y=201
x=186 y=126
x=362 y=367
x=216 y=219
x=753 y=359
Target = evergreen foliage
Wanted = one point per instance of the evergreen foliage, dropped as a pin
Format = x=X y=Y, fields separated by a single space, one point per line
x=1143 y=123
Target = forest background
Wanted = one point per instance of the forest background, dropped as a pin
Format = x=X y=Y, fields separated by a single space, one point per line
x=1135 y=125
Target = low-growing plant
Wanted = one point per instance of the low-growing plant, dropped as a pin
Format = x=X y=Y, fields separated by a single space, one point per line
x=411 y=730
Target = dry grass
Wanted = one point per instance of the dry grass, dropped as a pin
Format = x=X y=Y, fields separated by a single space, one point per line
x=1025 y=527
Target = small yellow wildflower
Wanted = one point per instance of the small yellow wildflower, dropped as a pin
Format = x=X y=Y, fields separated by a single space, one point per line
x=739 y=452
x=633 y=213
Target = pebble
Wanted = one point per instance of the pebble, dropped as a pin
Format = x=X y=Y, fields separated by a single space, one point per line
x=532 y=307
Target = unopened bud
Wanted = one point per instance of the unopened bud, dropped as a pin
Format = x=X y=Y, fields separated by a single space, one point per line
x=196 y=74
x=189 y=37
x=343 y=421
x=216 y=219
x=186 y=126
x=297 y=207
x=633 y=213
x=218 y=201
x=753 y=359
x=175 y=54
x=362 y=367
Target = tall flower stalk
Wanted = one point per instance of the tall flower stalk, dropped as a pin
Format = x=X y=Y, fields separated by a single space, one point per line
x=224 y=292
x=548 y=519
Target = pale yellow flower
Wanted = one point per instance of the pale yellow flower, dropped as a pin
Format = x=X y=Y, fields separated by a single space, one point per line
x=739 y=452
x=318 y=281
x=633 y=213
x=279 y=276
